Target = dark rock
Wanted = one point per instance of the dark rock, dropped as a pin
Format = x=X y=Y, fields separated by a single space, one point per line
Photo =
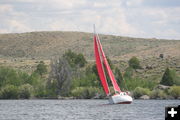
x=161 y=55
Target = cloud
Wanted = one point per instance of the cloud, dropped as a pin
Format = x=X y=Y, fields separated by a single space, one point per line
x=11 y=20
x=161 y=3
x=3 y=31
x=148 y=20
x=137 y=18
x=134 y=2
x=116 y=23
x=166 y=33
x=105 y=21
x=18 y=26
x=5 y=8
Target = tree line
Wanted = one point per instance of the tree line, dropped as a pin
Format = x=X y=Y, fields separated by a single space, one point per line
x=71 y=75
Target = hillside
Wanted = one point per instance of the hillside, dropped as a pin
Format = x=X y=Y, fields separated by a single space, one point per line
x=25 y=50
x=46 y=45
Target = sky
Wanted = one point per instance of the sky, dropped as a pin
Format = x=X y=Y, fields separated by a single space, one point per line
x=133 y=18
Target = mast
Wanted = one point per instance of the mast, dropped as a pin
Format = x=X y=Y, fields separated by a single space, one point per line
x=99 y=65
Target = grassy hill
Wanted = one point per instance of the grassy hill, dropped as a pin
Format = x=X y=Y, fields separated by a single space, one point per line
x=46 y=45
x=25 y=50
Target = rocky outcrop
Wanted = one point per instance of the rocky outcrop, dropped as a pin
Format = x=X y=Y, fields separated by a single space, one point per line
x=162 y=87
x=145 y=97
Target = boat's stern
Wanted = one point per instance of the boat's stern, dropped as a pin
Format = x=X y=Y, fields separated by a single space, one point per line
x=122 y=98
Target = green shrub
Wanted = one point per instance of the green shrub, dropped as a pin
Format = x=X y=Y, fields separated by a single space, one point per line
x=51 y=88
x=138 y=92
x=119 y=78
x=138 y=82
x=41 y=68
x=111 y=89
x=134 y=63
x=128 y=73
x=85 y=92
x=0 y=95
x=176 y=78
x=9 y=92
x=34 y=79
x=74 y=59
x=40 y=91
x=158 y=94
x=77 y=92
x=9 y=76
x=85 y=81
x=23 y=77
x=25 y=91
x=168 y=78
x=110 y=62
x=174 y=91
x=80 y=60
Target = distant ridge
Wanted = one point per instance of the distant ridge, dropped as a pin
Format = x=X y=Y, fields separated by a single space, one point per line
x=46 y=45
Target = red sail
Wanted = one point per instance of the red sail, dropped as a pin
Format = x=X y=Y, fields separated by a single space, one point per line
x=110 y=73
x=100 y=67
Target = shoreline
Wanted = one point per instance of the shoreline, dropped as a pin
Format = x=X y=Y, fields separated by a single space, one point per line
x=66 y=98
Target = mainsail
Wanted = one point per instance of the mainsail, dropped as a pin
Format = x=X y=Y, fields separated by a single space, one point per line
x=100 y=66
x=98 y=53
x=110 y=73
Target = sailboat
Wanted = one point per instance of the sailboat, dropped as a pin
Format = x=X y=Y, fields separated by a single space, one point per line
x=119 y=97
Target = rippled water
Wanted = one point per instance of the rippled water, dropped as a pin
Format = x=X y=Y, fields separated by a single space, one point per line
x=83 y=109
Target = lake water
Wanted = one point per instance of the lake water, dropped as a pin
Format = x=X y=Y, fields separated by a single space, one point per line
x=83 y=110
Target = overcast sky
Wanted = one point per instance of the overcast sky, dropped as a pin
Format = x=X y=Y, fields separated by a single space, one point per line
x=135 y=18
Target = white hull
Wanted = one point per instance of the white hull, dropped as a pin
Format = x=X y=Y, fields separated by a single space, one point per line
x=121 y=98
